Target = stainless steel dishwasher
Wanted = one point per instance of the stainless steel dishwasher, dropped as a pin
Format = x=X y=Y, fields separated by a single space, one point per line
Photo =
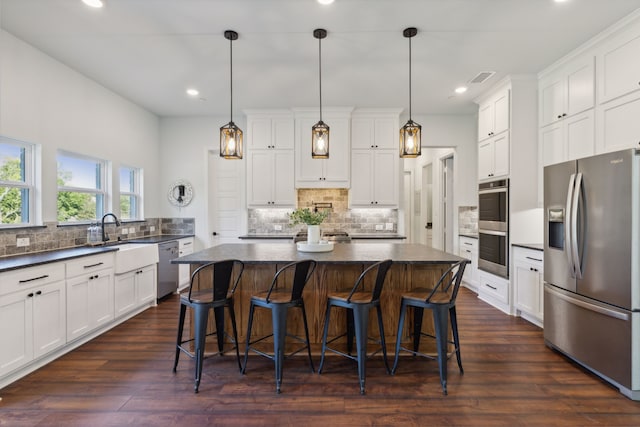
x=167 y=272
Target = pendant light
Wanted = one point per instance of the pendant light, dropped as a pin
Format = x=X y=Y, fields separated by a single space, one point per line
x=320 y=131
x=230 y=134
x=411 y=132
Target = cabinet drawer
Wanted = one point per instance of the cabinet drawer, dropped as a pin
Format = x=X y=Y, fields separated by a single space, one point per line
x=498 y=289
x=89 y=264
x=529 y=256
x=32 y=276
x=186 y=244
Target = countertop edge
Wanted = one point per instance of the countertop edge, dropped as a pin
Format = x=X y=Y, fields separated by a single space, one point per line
x=533 y=246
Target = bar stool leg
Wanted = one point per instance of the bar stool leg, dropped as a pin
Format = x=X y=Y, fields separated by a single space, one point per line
x=183 y=310
x=201 y=314
x=218 y=313
x=246 y=347
x=417 y=327
x=232 y=316
x=382 y=339
x=349 y=331
x=403 y=312
x=324 y=336
x=442 y=332
x=306 y=334
x=361 y=323
x=456 y=339
x=279 y=319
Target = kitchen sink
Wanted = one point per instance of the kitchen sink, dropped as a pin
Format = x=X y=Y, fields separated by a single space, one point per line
x=135 y=255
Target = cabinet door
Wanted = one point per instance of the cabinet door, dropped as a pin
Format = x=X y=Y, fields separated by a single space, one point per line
x=485 y=121
x=619 y=67
x=485 y=159
x=260 y=178
x=49 y=318
x=101 y=298
x=552 y=143
x=501 y=154
x=146 y=285
x=618 y=124
x=580 y=85
x=362 y=133
x=308 y=170
x=501 y=112
x=386 y=133
x=259 y=133
x=527 y=288
x=16 y=331
x=552 y=100
x=125 y=293
x=361 y=193
x=580 y=135
x=78 y=317
x=385 y=178
x=283 y=133
x=284 y=193
x=336 y=167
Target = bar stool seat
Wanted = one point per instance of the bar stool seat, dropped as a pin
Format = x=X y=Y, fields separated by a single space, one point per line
x=218 y=295
x=279 y=300
x=441 y=300
x=358 y=303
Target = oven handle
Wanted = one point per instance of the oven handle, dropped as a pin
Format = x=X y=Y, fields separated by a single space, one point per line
x=493 y=190
x=493 y=233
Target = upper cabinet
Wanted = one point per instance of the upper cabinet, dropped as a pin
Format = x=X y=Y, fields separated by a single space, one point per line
x=493 y=115
x=493 y=157
x=270 y=130
x=374 y=130
x=569 y=91
x=323 y=173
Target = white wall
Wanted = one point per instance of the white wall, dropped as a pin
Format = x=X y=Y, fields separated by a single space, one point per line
x=45 y=102
x=184 y=144
x=442 y=135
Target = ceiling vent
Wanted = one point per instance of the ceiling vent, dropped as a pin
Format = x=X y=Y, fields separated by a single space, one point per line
x=482 y=77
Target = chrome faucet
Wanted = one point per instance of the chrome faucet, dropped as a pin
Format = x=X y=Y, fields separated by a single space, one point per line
x=105 y=237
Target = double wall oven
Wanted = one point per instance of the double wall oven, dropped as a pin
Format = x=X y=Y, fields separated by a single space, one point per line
x=493 y=227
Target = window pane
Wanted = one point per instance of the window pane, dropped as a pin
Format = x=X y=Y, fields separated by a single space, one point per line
x=75 y=206
x=14 y=205
x=127 y=180
x=79 y=172
x=12 y=162
x=128 y=207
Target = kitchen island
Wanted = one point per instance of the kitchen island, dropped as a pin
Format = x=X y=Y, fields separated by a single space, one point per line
x=414 y=265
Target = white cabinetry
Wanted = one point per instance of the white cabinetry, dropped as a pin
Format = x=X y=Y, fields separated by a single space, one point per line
x=375 y=180
x=493 y=115
x=619 y=92
x=185 y=247
x=270 y=130
x=494 y=290
x=528 y=280
x=270 y=178
x=32 y=314
x=468 y=248
x=134 y=289
x=323 y=173
x=493 y=157
x=90 y=294
x=370 y=129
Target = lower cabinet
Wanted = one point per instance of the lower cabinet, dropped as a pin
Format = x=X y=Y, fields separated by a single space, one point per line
x=494 y=290
x=134 y=289
x=528 y=284
x=89 y=302
x=468 y=248
x=185 y=247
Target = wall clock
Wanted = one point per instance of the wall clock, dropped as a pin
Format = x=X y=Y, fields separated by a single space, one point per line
x=180 y=193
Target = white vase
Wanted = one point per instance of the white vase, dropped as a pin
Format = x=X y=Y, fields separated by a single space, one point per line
x=313 y=234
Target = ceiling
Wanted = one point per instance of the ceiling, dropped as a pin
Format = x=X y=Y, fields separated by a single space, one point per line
x=150 y=51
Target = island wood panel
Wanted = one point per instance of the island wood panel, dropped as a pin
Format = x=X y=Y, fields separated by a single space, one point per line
x=327 y=278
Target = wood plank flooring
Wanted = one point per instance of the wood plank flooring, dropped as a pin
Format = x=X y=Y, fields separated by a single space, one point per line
x=124 y=378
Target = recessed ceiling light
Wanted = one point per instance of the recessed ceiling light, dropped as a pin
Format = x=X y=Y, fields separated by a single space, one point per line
x=93 y=3
x=560 y=1
x=325 y=1
x=461 y=89
x=193 y=92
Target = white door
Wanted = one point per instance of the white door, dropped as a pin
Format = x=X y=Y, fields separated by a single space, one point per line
x=226 y=216
x=447 y=203
x=426 y=228
x=408 y=205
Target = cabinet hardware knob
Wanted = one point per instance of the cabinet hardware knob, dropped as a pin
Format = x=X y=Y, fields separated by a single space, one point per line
x=30 y=295
x=214 y=233
x=559 y=116
x=564 y=114
x=39 y=293
x=371 y=146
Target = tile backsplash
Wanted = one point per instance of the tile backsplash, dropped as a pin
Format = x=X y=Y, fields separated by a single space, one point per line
x=52 y=236
x=468 y=220
x=353 y=221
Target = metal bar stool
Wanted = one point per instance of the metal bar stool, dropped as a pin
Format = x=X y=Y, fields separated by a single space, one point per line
x=279 y=301
x=358 y=302
x=216 y=277
x=441 y=300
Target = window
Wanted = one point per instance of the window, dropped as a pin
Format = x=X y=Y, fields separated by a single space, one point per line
x=130 y=193
x=17 y=183
x=81 y=187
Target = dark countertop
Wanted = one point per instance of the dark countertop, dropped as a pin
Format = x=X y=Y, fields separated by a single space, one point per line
x=534 y=246
x=472 y=236
x=267 y=253
x=37 y=258
x=364 y=236
x=160 y=238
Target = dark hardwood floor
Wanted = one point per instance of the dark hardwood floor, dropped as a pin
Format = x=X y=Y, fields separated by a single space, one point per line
x=124 y=378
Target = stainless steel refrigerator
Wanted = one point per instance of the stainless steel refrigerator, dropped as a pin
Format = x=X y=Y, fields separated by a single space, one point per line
x=591 y=265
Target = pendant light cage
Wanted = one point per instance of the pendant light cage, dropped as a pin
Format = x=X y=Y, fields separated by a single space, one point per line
x=230 y=134
x=320 y=131
x=411 y=132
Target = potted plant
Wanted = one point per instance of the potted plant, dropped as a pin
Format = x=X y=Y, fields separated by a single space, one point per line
x=312 y=219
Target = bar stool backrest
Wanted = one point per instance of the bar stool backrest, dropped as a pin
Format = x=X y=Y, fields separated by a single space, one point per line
x=382 y=267
x=218 y=276
x=302 y=274
x=449 y=282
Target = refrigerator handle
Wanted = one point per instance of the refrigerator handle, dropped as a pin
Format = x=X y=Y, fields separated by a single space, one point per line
x=567 y=226
x=577 y=192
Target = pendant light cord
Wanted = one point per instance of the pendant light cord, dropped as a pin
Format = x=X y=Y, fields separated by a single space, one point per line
x=231 y=77
x=409 y=78
x=320 y=72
